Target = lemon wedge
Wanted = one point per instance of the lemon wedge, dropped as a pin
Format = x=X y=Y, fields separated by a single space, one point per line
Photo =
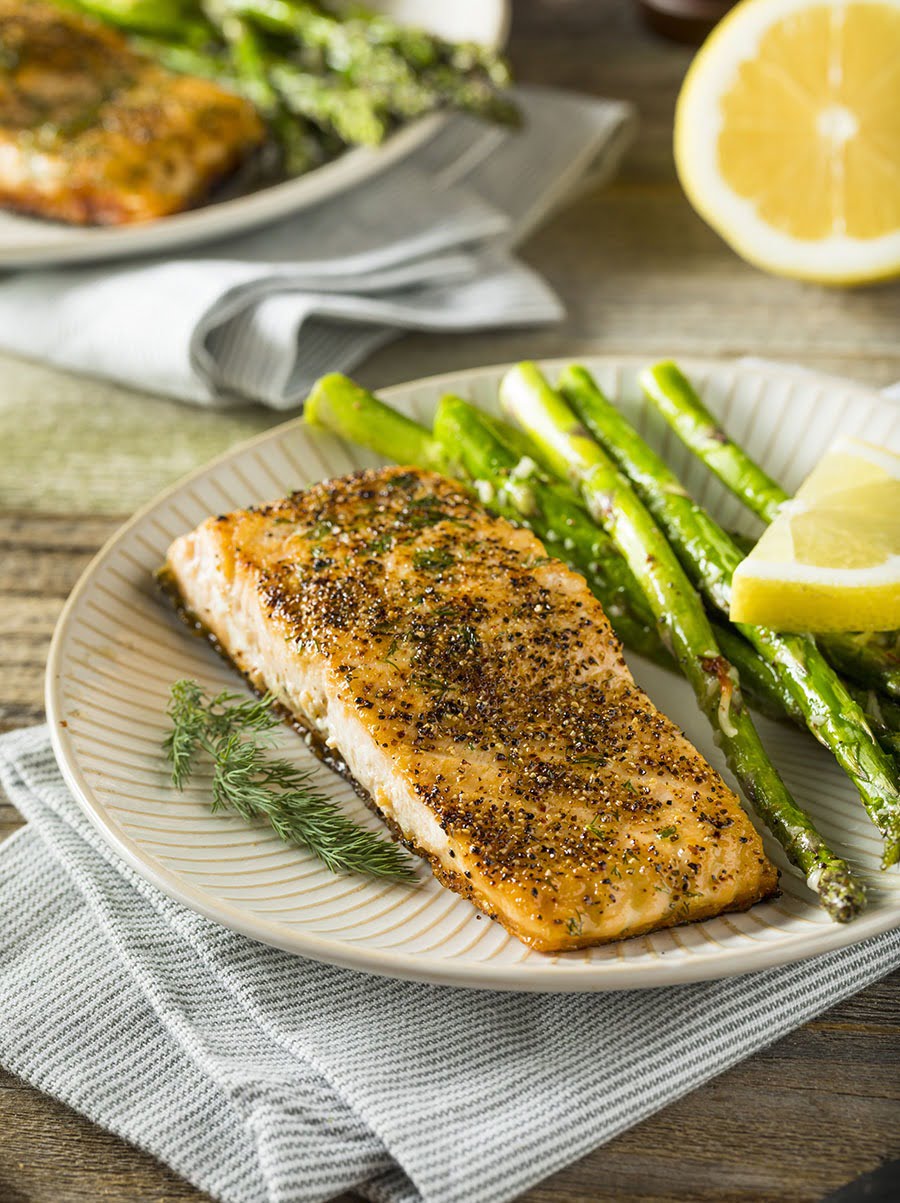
x=787 y=136
x=831 y=559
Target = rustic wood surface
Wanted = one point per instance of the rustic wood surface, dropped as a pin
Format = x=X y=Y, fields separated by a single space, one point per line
x=639 y=272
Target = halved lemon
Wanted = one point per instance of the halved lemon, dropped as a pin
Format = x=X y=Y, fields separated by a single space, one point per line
x=831 y=559
x=787 y=136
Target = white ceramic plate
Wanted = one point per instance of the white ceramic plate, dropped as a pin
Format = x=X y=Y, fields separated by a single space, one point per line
x=118 y=647
x=34 y=242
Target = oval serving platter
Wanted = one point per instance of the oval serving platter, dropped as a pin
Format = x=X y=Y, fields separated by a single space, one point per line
x=33 y=242
x=118 y=647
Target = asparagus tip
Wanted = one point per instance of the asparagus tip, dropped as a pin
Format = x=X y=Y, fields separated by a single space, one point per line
x=891 y=851
x=841 y=895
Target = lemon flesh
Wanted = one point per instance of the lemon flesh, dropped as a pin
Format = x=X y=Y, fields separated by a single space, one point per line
x=787 y=136
x=831 y=559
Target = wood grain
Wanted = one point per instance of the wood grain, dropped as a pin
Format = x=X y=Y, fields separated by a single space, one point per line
x=639 y=272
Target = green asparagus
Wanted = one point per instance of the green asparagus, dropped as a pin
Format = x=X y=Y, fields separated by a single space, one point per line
x=710 y=556
x=768 y=694
x=350 y=111
x=406 y=73
x=672 y=394
x=335 y=403
x=320 y=80
x=683 y=626
x=165 y=18
x=871 y=660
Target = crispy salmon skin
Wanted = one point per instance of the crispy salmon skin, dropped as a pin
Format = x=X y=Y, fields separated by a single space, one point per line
x=475 y=690
x=93 y=133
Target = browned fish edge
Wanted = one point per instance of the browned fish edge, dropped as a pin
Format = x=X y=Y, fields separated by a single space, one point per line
x=168 y=586
x=95 y=212
x=92 y=211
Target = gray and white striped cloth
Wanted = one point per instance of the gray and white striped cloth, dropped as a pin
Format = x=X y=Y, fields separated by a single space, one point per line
x=264 y=1078
x=425 y=245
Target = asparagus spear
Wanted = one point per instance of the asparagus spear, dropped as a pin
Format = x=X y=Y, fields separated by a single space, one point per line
x=759 y=679
x=684 y=626
x=351 y=112
x=337 y=404
x=769 y=695
x=374 y=54
x=165 y=18
x=870 y=660
x=249 y=63
x=710 y=556
x=672 y=394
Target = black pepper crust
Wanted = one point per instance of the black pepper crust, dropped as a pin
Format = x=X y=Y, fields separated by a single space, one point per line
x=490 y=677
x=491 y=681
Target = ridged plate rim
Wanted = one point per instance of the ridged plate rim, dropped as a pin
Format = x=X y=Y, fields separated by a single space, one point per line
x=540 y=975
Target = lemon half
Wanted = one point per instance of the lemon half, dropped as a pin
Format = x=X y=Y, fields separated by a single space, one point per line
x=831 y=559
x=787 y=136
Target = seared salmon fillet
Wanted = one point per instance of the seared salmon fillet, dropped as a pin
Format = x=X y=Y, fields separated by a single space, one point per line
x=93 y=133
x=472 y=686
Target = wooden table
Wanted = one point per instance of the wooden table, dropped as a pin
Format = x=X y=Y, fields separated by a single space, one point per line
x=639 y=273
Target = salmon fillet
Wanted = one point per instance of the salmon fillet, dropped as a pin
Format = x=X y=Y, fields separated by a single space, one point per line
x=93 y=133
x=472 y=686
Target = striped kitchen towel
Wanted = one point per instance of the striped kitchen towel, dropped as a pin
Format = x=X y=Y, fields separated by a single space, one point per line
x=425 y=245
x=264 y=1078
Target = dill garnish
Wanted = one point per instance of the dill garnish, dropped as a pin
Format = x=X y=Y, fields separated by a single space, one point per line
x=575 y=925
x=235 y=733
x=600 y=832
x=428 y=511
x=432 y=559
x=429 y=681
x=379 y=545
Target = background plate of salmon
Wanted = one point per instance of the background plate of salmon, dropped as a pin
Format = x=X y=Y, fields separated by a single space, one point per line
x=27 y=241
x=118 y=647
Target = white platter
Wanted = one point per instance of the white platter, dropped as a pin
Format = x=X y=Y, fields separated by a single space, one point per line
x=33 y=242
x=118 y=647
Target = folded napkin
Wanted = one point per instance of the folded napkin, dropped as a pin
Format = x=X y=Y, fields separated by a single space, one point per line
x=425 y=245
x=265 y=1078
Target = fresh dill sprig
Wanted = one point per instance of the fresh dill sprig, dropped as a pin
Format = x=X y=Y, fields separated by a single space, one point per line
x=189 y=723
x=235 y=734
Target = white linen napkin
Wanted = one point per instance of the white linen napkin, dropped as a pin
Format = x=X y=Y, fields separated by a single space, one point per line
x=265 y=1078
x=425 y=245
